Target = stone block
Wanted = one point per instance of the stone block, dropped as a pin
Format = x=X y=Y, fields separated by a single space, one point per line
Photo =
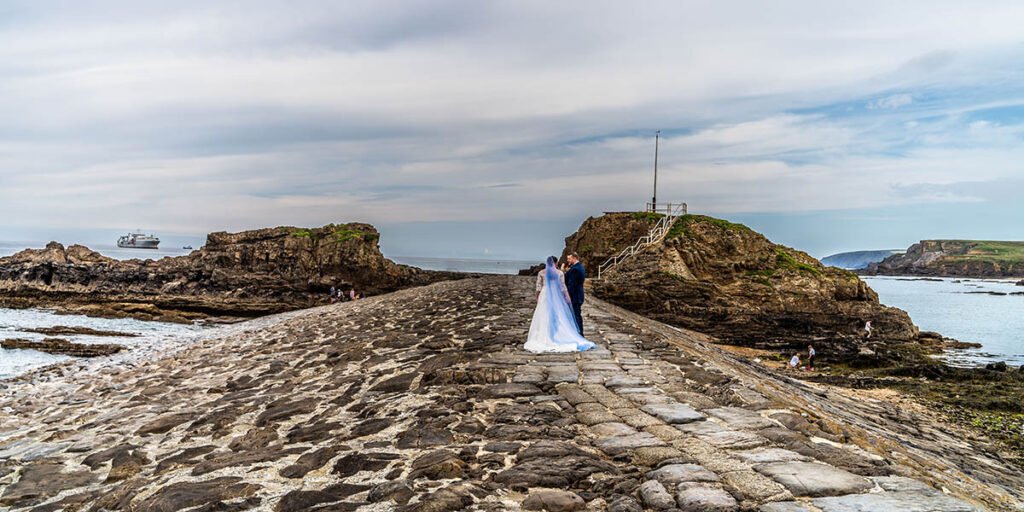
x=814 y=479
x=673 y=413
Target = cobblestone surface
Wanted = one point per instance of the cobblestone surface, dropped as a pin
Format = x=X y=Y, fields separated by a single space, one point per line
x=423 y=400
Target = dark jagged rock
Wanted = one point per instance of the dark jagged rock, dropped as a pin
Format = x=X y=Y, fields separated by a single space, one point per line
x=999 y=366
x=59 y=346
x=242 y=274
x=64 y=330
x=728 y=281
x=955 y=258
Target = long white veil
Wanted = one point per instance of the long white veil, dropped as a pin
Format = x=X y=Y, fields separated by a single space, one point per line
x=554 y=327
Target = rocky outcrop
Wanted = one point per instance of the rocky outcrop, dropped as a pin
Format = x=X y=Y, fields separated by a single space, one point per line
x=955 y=258
x=235 y=274
x=59 y=346
x=64 y=330
x=726 y=280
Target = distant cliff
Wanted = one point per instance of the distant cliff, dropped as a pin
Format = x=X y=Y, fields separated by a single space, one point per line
x=235 y=274
x=724 y=279
x=955 y=258
x=857 y=260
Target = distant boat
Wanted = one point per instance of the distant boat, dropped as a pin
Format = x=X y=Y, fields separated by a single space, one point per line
x=187 y=247
x=138 y=241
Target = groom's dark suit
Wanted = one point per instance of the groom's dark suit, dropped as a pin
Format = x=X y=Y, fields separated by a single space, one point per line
x=574 y=278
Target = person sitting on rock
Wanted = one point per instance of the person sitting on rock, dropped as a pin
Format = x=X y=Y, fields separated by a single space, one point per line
x=794 y=362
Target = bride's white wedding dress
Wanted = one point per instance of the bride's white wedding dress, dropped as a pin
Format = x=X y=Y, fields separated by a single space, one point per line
x=553 y=328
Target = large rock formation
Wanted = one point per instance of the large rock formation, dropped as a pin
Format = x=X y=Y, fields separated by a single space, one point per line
x=955 y=258
x=235 y=274
x=726 y=280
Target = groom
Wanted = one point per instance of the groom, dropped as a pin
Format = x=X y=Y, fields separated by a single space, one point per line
x=574 y=278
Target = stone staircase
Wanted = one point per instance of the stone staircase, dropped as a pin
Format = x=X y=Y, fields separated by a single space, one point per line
x=670 y=212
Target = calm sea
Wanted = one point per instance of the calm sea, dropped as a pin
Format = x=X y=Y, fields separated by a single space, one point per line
x=109 y=250
x=973 y=310
x=154 y=338
x=479 y=266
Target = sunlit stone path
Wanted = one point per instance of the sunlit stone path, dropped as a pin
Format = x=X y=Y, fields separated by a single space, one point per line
x=423 y=400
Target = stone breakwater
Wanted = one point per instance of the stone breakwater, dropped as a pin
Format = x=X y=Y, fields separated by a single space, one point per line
x=423 y=400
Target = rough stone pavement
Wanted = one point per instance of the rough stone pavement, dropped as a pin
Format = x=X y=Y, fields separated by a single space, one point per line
x=423 y=400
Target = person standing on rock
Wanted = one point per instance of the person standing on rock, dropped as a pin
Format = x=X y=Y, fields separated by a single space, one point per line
x=867 y=329
x=553 y=328
x=574 y=278
x=810 y=357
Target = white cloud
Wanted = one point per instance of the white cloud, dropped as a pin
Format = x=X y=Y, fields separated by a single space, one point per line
x=891 y=102
x=198 y=116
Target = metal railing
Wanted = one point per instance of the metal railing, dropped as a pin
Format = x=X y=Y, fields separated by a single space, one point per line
x=670 y=212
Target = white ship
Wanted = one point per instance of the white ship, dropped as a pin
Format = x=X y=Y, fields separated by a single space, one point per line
x=138 y=241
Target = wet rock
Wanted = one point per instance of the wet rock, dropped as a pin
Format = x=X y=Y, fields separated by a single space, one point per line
x=397 y=491
x=443 y=500
x=511 y=390
x=651 y=456
x=734 y=439
x=624 y=504
x=370 y=427
x=66 y=330
x=182 y=495
x=301 y=501
x=701 y=498
x=356 y=462
x=503 y=447
x=739 y=418
x=677 y=473
x=42 y=480
x=62 y=347
x=620 y=444
x=395 y=384
x=673 y=413
x=423 y=438
x=254 y=439
x=438 y=465
x=165 y=423
x=784 y=506
x=611 y=429
x=912 y=501
x=126 y=464
x=655 y=496
x=999 y=366
x=766 y=455
x=814 y=479
x=562 y=473
x=239 y=459
x=309 y=462
x=553 y=501
x=284 y=409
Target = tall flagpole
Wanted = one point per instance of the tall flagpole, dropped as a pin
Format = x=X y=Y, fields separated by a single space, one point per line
x=654 y=199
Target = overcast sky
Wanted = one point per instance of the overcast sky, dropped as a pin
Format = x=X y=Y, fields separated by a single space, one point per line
x=470 y=128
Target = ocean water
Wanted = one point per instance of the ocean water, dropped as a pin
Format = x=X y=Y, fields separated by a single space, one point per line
x=972 y=310
x=478 y=266
x=109 y=250
x=155 y=338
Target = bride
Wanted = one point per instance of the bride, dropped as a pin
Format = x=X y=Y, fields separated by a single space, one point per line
x=553 y=328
